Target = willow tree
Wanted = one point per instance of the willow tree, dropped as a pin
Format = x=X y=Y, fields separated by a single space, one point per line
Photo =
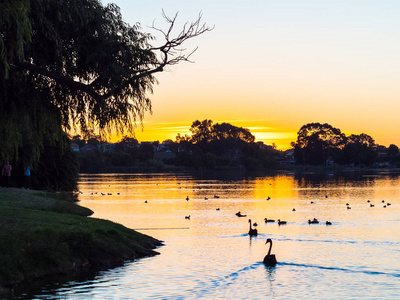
x=76 y=63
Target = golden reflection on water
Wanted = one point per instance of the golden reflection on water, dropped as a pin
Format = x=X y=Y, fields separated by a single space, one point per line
x=211 y=255
x=158 y=201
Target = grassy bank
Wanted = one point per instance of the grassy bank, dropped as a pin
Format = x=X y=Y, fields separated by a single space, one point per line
x=44 y=234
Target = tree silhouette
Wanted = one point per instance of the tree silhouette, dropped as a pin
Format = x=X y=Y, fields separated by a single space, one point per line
x=76 y=63
x=317 y=142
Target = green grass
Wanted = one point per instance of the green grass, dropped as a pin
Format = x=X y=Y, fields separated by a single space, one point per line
x=44 y=234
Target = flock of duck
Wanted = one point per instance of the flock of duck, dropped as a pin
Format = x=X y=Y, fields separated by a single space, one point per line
x=269 y=259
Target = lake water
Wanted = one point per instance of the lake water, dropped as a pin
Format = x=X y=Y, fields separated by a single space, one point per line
x=211 y=255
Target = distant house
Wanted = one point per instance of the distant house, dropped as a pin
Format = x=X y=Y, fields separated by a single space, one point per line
x=89 y=147
x=287 y=158
x=107 y=147
x=75 y=147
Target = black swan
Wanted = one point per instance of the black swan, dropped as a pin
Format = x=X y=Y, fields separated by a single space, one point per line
x=269 y=259
x=252 y=232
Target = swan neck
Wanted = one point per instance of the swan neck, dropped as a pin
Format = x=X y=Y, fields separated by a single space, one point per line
x=270 y=247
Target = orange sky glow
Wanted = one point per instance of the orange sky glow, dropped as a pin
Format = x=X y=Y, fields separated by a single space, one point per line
x=274 y=66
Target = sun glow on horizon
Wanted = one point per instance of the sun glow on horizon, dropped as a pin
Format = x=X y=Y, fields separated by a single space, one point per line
x=286 y=64
x=152 y=131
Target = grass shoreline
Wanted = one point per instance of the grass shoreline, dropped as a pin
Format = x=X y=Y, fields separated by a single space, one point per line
x=44 y=234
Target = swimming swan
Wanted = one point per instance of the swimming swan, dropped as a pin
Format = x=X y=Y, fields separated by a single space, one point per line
x=269 y=259
x=252 y=232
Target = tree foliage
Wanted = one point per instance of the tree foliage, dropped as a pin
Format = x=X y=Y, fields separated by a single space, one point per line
x=317 y=142
x=76 y=63
x=205 y=131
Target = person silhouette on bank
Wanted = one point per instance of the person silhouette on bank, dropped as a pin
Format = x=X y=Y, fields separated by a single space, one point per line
x=6 y=174
x=27 y=175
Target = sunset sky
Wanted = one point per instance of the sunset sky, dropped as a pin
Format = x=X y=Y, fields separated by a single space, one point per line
x=273 y=66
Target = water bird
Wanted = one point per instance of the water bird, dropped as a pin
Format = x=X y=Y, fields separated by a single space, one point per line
x=269 y=259
x=187 y=217
x=371 y=205
x=268 y=198
x=328 y=223
x=217 y=208
x=348 y=207
x=312 y=202
x=383 y=201
x=293 y=209
x=117 y=193
x=216 y=196
x=109 y=194
x=388 y=204
x=347 y=204
x=255 y=224
x=281 y=222
x=145 y=201
x=368 y=201
x=187 y=198
x=384 y=206
x=314 y=221
x=268 y=220
x=252 y=231
x=326 y=196
x=205 y=198
x=239 y=214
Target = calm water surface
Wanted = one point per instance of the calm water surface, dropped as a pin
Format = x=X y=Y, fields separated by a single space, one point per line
x=211 y=255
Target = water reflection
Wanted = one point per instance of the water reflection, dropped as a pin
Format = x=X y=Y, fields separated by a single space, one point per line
x=212 y=256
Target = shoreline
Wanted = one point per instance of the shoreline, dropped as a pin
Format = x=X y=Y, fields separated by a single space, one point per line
x=45 y=234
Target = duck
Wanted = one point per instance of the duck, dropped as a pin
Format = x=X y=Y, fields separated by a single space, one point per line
x=281 y=222
x=239 y=214
x=252 y=231
x=269 y=259
x=216 y=196
x=187 y=217
x=268 y=198
x=268 y=220
x=328 y=223
x=314 y=221
x=187 y=198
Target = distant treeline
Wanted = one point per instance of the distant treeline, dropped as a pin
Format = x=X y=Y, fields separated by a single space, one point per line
x=223 y=145
x=210 y=146
x=323 y=144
